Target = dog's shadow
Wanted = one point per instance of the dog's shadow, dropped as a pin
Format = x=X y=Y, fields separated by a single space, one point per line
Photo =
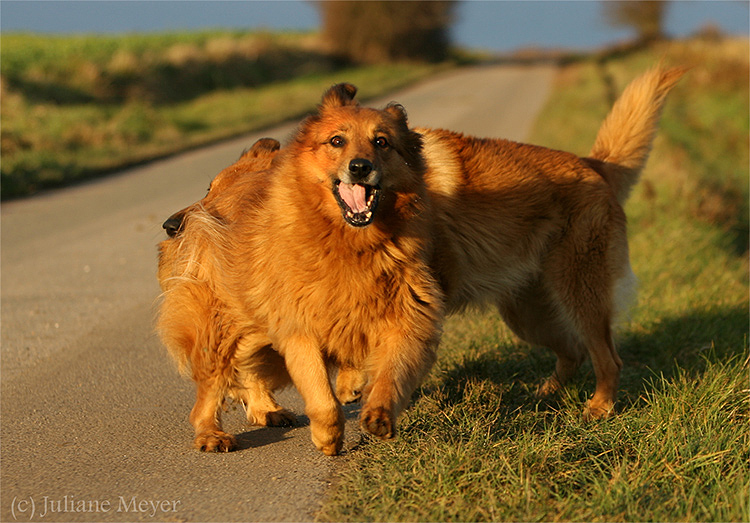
x=261 y=436
x=672 y=343
x=256 y=437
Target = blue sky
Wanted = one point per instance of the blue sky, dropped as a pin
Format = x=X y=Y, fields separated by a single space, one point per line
x=486 y=24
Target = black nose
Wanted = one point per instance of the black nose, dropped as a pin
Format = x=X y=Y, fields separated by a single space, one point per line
x=173 y=225
x=359 y=168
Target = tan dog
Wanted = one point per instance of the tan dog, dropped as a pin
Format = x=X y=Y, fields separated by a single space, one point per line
x=219 y=206
x=333 y=261
x=541 y=233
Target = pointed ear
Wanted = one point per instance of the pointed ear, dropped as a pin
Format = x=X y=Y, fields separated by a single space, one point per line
x=339 y=95
x=412 y=151
x=398 y=112
x=263 y=147
x=410 y=142
x=266 y=145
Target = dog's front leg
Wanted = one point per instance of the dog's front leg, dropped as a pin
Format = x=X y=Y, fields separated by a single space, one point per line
x=309 y=374
x=398 y=369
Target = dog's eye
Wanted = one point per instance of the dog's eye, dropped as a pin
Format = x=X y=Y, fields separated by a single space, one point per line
x=337 y=141
x=381 y=142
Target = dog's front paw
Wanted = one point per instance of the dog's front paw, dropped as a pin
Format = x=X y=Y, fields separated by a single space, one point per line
x=215 y=441
x=327 y=430
x=329 y=440
x=378 y=422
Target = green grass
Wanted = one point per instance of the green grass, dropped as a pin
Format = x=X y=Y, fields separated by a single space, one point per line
x=476 y=448
x=76 y=107
x=477 y=445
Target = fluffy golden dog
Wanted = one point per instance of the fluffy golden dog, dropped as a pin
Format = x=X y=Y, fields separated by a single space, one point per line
x=296 y=277
x=362 y=233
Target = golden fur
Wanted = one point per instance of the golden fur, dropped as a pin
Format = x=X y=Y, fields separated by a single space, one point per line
x=361 y=234
x=291 y=274
x=192 y=322
x=219 y=201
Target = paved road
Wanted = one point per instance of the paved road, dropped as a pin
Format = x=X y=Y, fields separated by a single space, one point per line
x=94 y=414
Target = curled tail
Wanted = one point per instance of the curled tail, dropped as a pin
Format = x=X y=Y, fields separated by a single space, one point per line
x=624 y=140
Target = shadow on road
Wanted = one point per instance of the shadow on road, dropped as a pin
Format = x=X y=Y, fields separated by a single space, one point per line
x=260 y=437
x=257 y=437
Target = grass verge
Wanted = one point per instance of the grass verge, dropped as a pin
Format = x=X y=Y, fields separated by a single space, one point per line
x=76 y=107
x=477 y=445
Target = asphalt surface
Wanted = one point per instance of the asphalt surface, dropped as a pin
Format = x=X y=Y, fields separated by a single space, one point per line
x=94 y=414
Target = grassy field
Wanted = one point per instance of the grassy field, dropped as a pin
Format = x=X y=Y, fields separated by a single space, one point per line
x=477 y=445
x=75 y=107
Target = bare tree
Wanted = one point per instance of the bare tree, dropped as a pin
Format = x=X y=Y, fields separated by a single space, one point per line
x=380 y=31
x=645 y=16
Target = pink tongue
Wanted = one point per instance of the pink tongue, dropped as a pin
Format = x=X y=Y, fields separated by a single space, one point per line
x=354 y=196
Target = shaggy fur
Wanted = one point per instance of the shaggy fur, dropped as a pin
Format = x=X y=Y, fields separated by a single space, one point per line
x=244 y=176
x=291 y=273
x=192 y=321
x=348 y=251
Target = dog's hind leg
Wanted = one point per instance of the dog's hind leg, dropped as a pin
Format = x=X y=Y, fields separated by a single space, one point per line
x=261 y=407
x=189 y=330
x=572 y=331
x=206 y=416
x=582 y=278
x=350 y=382
x=569 y=359
x=532 y=317
x=607 y=365
x=262 y=371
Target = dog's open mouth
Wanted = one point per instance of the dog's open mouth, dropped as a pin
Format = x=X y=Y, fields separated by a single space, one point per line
x=357 y=201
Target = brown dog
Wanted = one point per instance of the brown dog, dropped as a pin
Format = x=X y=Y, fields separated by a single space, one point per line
x=541 y=233
x=246 y=176
x=334 y=258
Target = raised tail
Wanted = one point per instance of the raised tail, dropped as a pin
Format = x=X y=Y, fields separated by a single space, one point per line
x=624 y=140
